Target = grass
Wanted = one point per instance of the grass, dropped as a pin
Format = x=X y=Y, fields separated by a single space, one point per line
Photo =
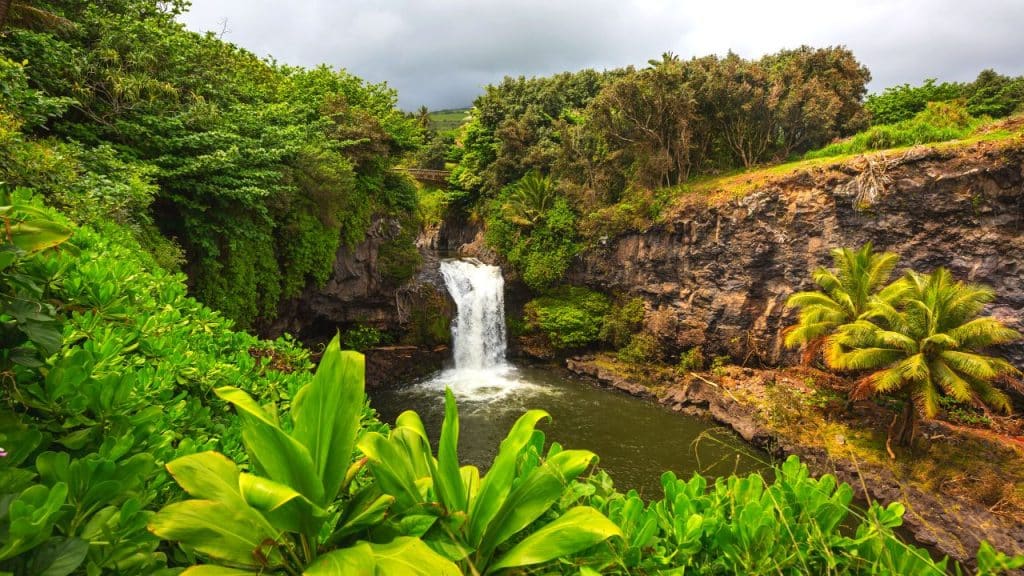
x=446 y=120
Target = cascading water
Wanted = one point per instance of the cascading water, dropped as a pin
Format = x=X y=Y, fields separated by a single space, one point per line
x=478 y=334
x=481 y=374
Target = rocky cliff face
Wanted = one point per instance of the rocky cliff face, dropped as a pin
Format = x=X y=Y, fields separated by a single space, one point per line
x=359 y=291
x=717 y=274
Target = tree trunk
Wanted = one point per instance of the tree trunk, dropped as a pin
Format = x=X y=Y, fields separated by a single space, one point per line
x=5 y=7
x=903 y=428
x=908 y=425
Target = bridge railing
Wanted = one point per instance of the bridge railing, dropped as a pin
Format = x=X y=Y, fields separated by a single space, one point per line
x=424 y=174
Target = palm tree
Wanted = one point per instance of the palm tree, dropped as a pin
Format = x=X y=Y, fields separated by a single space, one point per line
x=845 y=296
x=530 y=199
x=925 y=344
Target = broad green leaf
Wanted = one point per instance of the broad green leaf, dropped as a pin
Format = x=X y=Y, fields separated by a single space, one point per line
x=37 y=235
x=285 y=508
x=578 y=529
x=326 y=415
x=218 y=530
x=362 y=512
x=392 y=468
x=402 y=556
x=355 y=561
x=447 y=478
x=411 y=556
x=498 y=481
x=59 y=557
x=533 y=496
x=276 y=454
x=208 y=476
x=31 y=517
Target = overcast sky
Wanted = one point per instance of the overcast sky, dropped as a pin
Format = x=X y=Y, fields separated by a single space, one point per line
x=440 y=53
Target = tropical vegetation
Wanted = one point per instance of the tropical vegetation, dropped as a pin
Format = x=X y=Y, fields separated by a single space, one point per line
x=162 y=190
x=921 y=338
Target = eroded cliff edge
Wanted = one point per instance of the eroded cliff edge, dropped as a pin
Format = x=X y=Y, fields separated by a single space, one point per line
x=716 y=273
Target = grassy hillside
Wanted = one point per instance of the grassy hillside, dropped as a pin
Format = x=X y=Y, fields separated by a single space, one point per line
x=446 y=120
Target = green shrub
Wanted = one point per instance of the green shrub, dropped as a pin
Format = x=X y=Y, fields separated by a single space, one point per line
x=571 y=317
x=792 y=524
x=399 y=259
x=362 y=338
x=535 y=233
x=718 y=364
x=429 y=321
x=692 y=360
x=641 y=348
x=938 y=122
x=624 y=320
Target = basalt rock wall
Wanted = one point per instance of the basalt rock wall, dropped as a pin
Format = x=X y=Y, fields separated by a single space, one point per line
x=717 y=274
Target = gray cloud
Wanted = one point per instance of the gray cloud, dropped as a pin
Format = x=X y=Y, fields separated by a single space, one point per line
x=442 y=52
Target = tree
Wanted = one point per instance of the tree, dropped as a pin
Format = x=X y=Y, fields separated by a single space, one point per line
x=845 y=296
x=815 y=96
x=738 y=93
x=530 y=200
x=925 y=343
x=644 y=119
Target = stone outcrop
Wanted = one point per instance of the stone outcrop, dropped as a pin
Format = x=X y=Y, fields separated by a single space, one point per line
x=717 y=273
x=359 y=292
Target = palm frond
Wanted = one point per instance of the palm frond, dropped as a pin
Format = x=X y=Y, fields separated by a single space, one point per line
x=866 y=358
x=951 y=383
x=812 y=299
x=926 y=398
x=801 y=334
x=983 y=332
x=969 y=364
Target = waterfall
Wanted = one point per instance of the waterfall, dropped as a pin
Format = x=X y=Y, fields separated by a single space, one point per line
x=479 y=328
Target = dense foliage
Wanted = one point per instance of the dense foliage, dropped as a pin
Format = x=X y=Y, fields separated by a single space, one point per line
x=303 y=479
x=919 y=338
x=937 y=122
x=602 y=141
x=248 y=173
x=990 y=94
x=88 y=421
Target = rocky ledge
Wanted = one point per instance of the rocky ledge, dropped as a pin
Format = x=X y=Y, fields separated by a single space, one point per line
x=718 y=268
x=780 y=412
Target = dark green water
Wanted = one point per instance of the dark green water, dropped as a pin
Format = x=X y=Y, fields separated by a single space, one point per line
x=636 y=440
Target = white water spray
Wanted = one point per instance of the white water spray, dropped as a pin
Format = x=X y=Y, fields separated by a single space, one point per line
x=481 y=374
x=478 y=334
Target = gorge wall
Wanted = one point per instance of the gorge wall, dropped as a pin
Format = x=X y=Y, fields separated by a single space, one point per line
x=415 y=312
x=717 y=274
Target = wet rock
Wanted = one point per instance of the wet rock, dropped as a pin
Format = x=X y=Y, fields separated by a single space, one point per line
x=393 y=366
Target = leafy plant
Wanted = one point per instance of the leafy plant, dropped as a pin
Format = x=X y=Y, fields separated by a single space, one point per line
x=570 y=317
x=275 y=518
x=362 y=338
x=744 y=525
x=692 y=360
x=845 y=296
x=29 y=329
x=924 y=342
x=475 y=520
x=641 y=348
x=622 y=322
